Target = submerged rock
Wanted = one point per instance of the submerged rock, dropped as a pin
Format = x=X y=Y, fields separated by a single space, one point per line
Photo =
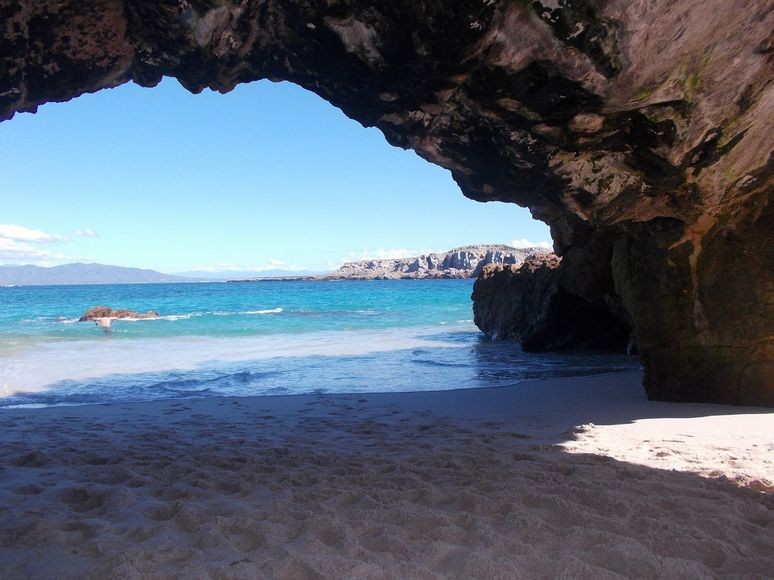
x=106 y=313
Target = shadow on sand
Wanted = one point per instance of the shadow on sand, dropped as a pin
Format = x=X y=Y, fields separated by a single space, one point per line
x=455 y=484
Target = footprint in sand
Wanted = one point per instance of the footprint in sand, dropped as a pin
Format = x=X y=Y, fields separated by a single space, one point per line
x=81 y=530
x=163 y=512
x=31 y=459
x=139 y=534
x=245 y=536
x=95 y=460
x=29 y=489
x=83 y=499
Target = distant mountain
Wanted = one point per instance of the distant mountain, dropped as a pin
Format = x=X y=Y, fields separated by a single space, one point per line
x=82 y=274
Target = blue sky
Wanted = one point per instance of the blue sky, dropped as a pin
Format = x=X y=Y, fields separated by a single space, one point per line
x=267 y=176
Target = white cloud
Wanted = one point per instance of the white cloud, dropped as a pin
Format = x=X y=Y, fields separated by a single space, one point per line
x=229 y=267
x=223 y=267
x=385 y=254
x=21 y=245
x=378 y=254
x=23 y=234
x=86 y=233
x=16 y=250
x=525 y=243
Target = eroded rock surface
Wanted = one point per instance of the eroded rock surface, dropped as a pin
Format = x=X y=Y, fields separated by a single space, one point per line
x=466 y=262
x=639 y=130
x=529 y=303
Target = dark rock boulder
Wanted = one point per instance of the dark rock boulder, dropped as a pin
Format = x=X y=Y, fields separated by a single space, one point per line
x=509 y=302
x=103 y=312
x=530 y=304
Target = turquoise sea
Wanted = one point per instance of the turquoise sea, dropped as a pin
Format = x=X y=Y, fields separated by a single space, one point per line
x=261 y=338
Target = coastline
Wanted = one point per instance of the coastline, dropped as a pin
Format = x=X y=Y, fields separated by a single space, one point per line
x=576 y=476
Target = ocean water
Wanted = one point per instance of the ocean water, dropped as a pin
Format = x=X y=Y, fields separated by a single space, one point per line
x=263 y=338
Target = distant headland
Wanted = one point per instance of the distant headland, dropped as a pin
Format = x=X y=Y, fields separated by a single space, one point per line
x=463 y=262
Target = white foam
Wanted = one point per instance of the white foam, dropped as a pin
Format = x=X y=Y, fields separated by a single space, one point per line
x=37 y=366
x=269 y=311
x=173 y=317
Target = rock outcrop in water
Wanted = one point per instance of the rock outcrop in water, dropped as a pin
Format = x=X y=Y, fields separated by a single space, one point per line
x=529 y=303
x=105 y=312
x=466 y=262
x=639 y=130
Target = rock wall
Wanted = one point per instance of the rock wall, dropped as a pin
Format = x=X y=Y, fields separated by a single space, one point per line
x=529 y=303
x=638 y=130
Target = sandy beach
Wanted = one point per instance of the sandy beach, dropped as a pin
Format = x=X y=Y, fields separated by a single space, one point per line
x=562 y=478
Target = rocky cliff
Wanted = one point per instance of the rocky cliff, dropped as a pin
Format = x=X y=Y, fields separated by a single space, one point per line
x=528 y=302
x=639 y=130
x=466 y=262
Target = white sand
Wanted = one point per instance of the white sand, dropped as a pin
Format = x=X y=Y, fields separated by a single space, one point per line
x=736 y=447
x=490 y=483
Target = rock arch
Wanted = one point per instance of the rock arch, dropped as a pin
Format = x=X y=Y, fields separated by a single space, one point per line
x=639 y=130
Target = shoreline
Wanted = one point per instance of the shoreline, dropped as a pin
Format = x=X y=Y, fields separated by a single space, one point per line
x=514 y=385
x=121 y=368
x=578 y=476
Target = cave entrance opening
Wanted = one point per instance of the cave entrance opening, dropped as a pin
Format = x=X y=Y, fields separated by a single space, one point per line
x=269 y=177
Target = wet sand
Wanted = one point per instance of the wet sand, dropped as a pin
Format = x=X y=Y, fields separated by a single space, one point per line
x=576 y=478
